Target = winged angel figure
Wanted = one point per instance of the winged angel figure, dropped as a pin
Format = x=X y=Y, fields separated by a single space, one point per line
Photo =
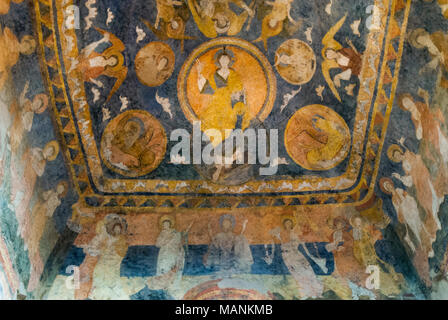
x=335 y=56
x=110 y=62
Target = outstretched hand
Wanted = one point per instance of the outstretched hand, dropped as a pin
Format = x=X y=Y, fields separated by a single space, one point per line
x=199 y=66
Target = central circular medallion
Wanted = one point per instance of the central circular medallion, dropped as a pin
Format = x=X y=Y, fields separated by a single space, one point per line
x=226 y=83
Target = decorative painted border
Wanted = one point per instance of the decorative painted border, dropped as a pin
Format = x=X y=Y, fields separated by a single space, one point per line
x=354 y=187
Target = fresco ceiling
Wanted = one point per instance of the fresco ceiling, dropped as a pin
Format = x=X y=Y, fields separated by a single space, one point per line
x=110 y=107
x=89 y=111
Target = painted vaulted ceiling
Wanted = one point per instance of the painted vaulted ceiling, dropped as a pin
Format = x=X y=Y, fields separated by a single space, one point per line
x=117 y=182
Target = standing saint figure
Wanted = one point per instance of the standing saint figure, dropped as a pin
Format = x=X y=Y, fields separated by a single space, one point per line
x=35 y=227
x=409 y=215
x=341 y=245
x=364 y=239
x=228 y=252
x=417 y=175
x=428 y=124
x=11 y=50
x=36 y=160
x=298 y=265
x=25 y=113
x=228 y=97
x=110 y=246
x=171 y=257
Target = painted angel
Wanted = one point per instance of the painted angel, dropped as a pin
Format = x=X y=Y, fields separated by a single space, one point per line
x=335 y=56
x=437 y=47
x=110 y=62
x=27 y=109
x=171 y=20
x=273 y=23
x=12 y=48
x=214 y=17
x=289 y=237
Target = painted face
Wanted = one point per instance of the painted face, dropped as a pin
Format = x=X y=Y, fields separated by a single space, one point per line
x=222 y=23
x=163 y=62
x=49 y=152
x=174 y=24
x=303 y=64
x=117 y=229
x=273 y=23
x=227 y=225
x=389 y=187
x=398 y=156
x=339 y=225
x=166 y=225
x=27 y=46
x=358 y=222
x=60 y=189
x=331 y=54
x=424 y=39
x=224 y=61
x=112 y=61
x=37 y=104
x=288 y=224
x=131 y=133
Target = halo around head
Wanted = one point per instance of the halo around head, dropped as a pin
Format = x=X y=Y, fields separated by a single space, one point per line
x=31 y=44
x=414 y=35
x=290 y=218
x=52 y=144
x=167 y=218
x=65 y=185
x=117 y=55
x=382 y=182
x=354 y=217
x=227 y=217
x=44 y=98
x=402 y=97
x=139 y=122
x=114 y=219
x=333 y=221
x=391 y=152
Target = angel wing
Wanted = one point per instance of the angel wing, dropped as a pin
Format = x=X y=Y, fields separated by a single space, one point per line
x=159 y=34
x=206 y=24
x=330 y=43
x=120 y=74
x=327 y=65
x=117 y=44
